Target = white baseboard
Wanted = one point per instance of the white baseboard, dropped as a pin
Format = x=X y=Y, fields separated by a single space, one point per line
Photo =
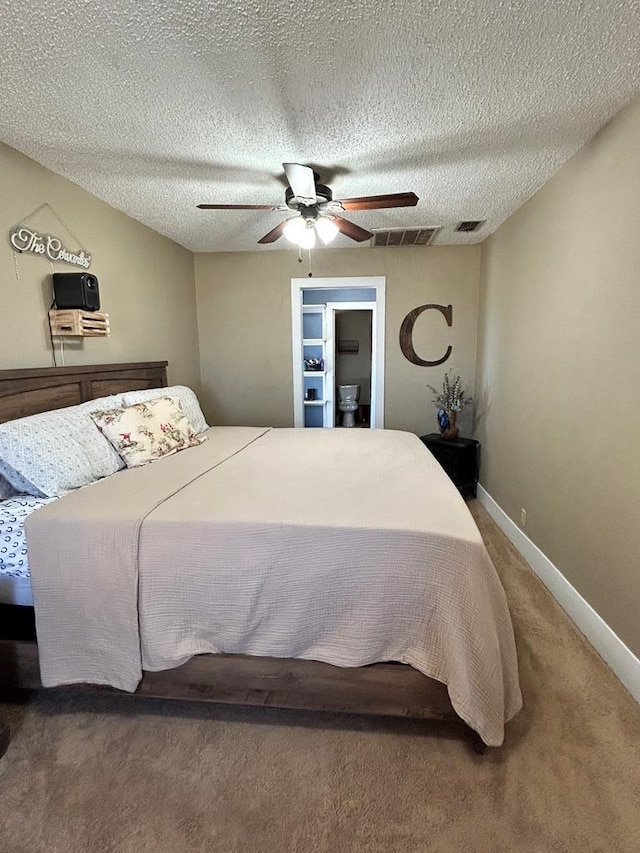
x=610 y=647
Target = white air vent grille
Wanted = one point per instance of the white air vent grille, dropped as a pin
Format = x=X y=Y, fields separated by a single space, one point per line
x=405 y=236
x=469 y=225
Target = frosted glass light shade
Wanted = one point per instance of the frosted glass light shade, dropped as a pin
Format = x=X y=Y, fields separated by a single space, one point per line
x=327 y=229
x=299 y=232
x=294 y=228
x=307 y=238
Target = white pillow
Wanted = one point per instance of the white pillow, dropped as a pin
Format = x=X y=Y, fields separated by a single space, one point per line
x=147 y=431
x=186 y=397
x=50 y=454
x=6 y=489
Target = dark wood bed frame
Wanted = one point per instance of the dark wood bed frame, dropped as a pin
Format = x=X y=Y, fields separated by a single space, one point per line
x=381 y=689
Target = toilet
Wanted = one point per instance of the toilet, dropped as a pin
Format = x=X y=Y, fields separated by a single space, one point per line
x=348 y=403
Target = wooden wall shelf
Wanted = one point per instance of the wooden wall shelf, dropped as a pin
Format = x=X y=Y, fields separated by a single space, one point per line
x=78 y=323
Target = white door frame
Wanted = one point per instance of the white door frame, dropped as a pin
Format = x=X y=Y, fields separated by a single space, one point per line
x=377 y=283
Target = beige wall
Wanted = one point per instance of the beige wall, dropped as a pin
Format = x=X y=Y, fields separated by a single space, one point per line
x=244 y=317
x=146 y=281
x=559 y=371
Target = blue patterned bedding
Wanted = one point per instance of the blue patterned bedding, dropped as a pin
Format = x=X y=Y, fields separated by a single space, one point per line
x=13 y=545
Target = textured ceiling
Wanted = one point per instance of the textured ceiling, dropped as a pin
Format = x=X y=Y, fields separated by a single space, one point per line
x=155 y=105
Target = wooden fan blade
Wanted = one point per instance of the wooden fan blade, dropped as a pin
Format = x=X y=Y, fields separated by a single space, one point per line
x=236 y=207
x=274 y=234
x=350 y=229
x=301 y=181
x=377 y=202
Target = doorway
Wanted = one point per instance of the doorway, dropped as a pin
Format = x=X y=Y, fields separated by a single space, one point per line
x=321 y=344
x=352 y=326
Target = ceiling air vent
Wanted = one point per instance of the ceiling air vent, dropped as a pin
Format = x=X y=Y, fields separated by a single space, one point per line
x=405 y=236
x=470 y=225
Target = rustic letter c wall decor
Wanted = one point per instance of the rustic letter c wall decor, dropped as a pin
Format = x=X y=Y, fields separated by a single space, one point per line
x=406 y=334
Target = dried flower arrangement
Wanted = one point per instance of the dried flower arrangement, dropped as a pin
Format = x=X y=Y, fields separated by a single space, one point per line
x=452 y=398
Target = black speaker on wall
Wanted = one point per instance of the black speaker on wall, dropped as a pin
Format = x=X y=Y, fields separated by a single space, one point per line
x=76 y=290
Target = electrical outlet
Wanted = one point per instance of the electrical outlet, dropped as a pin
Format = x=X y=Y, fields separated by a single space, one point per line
x=523 y=518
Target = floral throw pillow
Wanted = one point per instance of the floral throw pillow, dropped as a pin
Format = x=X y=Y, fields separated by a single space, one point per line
x=147 y=431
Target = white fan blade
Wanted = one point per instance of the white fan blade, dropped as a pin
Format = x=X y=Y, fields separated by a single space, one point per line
x=301 y=182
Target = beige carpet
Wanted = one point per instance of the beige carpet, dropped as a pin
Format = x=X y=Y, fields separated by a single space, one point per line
x=102 y=774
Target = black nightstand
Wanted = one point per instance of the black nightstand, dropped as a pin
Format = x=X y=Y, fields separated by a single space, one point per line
x=459 y=458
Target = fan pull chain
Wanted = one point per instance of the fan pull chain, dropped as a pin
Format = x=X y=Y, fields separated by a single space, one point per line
x=309 y=273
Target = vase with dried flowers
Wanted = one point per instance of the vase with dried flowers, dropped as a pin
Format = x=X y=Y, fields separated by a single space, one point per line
x=451 y=400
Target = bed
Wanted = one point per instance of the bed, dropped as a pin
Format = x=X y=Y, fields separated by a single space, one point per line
x=215 y=575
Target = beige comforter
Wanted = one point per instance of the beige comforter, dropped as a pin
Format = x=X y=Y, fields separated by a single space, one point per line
x=344 y=546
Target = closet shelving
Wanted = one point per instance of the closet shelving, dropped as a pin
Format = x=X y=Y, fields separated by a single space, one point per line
x=314 y=345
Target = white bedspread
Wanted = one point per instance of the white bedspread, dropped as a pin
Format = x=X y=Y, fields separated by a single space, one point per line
x=345 y=546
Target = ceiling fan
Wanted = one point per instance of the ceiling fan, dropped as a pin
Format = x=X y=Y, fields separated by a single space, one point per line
x=317 y=212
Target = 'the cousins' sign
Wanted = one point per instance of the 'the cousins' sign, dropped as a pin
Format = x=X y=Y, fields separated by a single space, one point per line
x=25 y=240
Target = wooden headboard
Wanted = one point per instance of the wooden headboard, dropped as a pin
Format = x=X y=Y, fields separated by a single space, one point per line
x=33 y=390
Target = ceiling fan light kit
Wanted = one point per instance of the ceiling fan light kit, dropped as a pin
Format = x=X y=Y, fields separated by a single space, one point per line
x=317 y=209
x=302 y=230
